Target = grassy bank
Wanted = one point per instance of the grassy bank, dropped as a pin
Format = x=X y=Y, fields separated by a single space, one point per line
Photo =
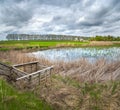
x=12 y=99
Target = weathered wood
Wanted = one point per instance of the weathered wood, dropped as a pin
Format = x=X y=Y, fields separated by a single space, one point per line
x=24 y=68
x=22 y=72
x=30 y=77
x=39 y=78
x=36 y=66
x=36 y=81
x=51 y=74
x=5 y=67
x=5 y=73
x=38 y=72
x=17 y=65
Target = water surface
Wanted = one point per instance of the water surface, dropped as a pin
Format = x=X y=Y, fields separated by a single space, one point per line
x=71 y=54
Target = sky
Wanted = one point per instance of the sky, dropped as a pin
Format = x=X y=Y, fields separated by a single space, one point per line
x=70 y=17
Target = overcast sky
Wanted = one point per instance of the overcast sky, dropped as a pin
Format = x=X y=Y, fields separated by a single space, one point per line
x=71 y=17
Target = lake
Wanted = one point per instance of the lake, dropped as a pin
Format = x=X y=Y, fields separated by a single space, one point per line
x=71 y=54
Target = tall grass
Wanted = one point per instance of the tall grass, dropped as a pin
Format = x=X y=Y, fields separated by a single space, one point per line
x=84 y=71
x=100 y=96
x=103 y=43
x=11 y=99
x=81 y=70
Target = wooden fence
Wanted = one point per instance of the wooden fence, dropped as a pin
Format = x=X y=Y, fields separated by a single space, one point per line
x=27 y=74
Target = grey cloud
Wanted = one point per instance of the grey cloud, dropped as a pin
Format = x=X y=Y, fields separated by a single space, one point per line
x=59 y=3
x=60 y=16
x=15 y=15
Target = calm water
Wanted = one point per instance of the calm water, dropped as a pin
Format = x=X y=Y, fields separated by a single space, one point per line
x=70 y=54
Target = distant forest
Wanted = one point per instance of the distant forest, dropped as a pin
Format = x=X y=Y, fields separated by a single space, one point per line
x=60 y=37
x=105 y=38
x=44 y=37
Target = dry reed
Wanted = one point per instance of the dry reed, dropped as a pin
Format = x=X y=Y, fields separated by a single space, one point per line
x=100 y=43
x=81 y=70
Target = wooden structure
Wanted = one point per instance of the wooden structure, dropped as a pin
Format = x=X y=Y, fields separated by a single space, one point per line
x=27 y=74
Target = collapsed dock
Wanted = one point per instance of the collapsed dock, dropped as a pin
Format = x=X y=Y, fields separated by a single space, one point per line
x=27 y=75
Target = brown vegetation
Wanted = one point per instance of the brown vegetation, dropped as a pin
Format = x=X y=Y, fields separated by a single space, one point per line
x=81 y=70
x=65 y=45
x=77 y=85
x=101 y=43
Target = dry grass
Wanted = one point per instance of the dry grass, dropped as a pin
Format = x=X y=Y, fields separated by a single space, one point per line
x=100 y=43
x=81 y=70
x=65 y=45
x=87 y=72
x=77 y=85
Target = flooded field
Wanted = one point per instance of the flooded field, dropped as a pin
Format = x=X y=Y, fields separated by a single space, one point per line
x=71 y=54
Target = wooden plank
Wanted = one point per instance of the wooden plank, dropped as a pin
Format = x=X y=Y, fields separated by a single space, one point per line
x=30 y=78
x=5 y=67
x=5 y=73
x=37 y=81
x=39 y=78
x=19 y=71
x=41 y=75
x=51 y=70
x=29 y=63
x=37 y=72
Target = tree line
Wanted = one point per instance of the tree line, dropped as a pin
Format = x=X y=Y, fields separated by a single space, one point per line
x=43 y=37
x=105 y=38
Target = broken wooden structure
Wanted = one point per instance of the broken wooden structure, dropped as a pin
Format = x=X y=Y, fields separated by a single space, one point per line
x=28 y=75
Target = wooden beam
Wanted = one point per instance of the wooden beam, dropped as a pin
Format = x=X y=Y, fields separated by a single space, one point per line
x=34 y=73
x=29 y=63
x=5 y=67
x=18 y=70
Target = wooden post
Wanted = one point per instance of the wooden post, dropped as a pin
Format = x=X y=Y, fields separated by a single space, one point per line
x=30 y=81
x=36 y=66
x=24 y=68
x=46 y=77
x=51 y=75
x=39 y=78
x=31 y=68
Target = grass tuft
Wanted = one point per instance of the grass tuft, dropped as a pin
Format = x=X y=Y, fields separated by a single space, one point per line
x=11 y=99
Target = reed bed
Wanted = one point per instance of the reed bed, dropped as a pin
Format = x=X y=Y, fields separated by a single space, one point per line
x=82 y=70
x=100 y=43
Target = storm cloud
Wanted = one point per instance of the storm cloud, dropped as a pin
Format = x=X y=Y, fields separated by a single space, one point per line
x=72 y=17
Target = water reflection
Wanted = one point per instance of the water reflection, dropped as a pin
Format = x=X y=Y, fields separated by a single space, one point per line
x=70 y=54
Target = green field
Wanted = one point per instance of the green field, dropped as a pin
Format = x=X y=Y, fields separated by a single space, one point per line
x=18 y=45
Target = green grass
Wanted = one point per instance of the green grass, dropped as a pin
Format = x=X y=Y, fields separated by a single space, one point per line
x=12 y=99
x=54 y=43
x=67 y=81
x=4 y=49
x=30 y=44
